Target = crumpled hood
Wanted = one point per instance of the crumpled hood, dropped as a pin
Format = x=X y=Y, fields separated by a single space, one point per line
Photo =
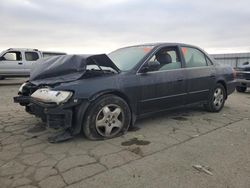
x=66 y=68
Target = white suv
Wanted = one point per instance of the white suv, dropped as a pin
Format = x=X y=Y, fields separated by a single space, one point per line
x=20 y=61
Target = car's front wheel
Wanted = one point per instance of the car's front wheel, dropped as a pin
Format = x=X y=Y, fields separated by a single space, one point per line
x=216 y=99
x=241 y=89
x=107 y=117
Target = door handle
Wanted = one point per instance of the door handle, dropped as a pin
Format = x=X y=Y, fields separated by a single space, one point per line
x=180 y=79
x=212 y=75
x=20 y=63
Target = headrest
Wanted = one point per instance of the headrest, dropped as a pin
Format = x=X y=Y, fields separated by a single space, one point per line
x=163 y=58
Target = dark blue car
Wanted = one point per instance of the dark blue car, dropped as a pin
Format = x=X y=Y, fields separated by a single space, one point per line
x=103 y=95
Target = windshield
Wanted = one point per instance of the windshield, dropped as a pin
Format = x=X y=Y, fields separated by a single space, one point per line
x=126 y=58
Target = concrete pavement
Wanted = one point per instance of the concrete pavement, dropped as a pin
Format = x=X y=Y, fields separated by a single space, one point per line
x=161 y=153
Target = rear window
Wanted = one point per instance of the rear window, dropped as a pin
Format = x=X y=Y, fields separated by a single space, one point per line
x=31 y=56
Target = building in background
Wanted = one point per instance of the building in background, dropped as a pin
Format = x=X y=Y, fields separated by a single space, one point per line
x=232 y=59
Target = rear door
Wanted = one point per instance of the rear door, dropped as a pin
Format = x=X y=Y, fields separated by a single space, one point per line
x=11 y=63
x=31 y=58
x=200 y=74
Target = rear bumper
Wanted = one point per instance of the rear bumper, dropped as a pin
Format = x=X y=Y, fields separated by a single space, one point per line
x=231 y=86
x=68 y=115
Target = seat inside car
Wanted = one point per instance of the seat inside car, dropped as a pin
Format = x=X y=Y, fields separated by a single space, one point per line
x=163 y=58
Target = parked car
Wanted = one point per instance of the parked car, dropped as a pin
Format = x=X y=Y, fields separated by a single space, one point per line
x=243 y=77
x=20 y=61
x=103 y=95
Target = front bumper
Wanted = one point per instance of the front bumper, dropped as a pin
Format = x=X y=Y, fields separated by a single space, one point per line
x=243 y=82
x=243 y=78
x=67 y=115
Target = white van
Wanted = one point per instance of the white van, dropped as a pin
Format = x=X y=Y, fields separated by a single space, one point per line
x=19 y=61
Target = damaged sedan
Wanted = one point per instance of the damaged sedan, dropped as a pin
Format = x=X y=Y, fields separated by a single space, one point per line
x=103 y=95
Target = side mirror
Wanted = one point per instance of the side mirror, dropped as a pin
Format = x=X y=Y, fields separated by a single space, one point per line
x=144 y=69
x=246 y=63
x=150 y=66
x=2 y=58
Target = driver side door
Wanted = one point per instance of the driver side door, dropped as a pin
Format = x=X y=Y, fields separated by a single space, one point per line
x=11 y=63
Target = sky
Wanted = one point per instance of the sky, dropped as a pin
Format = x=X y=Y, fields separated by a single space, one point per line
x=100 y=26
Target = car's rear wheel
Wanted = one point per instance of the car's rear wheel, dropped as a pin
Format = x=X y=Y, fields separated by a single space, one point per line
x=241 y=89
x=107 y=117
x=216 y=99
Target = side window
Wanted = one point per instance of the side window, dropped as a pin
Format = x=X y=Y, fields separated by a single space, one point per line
x=165 y=59
x=193 y=57
x=31 y=56
x=12 y=56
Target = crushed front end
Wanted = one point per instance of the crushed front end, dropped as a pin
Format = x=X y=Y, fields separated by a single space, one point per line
x=58 y=109
x=51 y=92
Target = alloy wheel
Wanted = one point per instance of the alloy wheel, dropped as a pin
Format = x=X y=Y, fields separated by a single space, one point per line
x=218 y=98
x=109 y=120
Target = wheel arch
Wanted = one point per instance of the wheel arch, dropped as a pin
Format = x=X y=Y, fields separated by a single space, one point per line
x=111 y=92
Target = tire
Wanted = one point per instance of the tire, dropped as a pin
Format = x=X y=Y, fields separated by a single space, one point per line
x=107 y=117
x=216 y=99
x=2 y=77
x=241 y=89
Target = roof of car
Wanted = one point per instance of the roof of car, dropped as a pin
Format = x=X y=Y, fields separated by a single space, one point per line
x=22 y=49
x=159 y=44
x=32 y=49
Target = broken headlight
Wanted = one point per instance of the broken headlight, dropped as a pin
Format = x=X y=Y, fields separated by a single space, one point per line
x=22 y=86
x=49 y=96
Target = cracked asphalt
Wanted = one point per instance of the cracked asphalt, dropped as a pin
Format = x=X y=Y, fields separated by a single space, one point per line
x=162 y=152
